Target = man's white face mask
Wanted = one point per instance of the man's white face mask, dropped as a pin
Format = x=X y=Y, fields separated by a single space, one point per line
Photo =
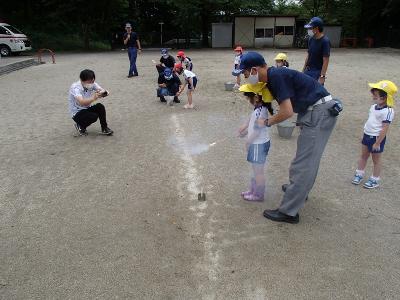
x=310 y=33
x=88 y=86
x=253 y=79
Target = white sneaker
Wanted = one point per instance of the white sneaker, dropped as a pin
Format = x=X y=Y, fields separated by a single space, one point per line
x=371 y=184
x=188 y=106
x=236 y=86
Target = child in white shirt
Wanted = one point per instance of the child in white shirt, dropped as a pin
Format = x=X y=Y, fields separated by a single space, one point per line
x=190 y=80
x=238 y=56
x=257 y=146
x=375 y=129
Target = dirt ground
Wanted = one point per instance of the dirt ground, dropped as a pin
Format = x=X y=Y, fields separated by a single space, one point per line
x=118 y=217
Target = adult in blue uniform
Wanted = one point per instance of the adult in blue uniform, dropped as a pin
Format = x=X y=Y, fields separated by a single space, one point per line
x=131 y=40
x=169 y=84
x=319 y=48
x=296 y=93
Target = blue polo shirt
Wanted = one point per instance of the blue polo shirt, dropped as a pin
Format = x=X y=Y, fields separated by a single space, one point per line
x=302 y=90
x=132 y=40
x=317 y=50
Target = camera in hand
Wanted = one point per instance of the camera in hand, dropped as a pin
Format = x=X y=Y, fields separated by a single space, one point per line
x=336 y=108
x=104 y=94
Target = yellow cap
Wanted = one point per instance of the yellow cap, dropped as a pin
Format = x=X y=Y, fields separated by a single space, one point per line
x=259 y=89
x=281 y=56
x=387 y=86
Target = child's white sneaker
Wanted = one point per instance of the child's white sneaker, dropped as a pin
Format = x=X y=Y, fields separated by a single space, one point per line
x=236 y=86
x=371 y=183
x=188 y=106
x=357 y=179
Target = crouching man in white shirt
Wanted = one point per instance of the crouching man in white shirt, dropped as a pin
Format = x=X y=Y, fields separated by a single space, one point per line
x=82 y=95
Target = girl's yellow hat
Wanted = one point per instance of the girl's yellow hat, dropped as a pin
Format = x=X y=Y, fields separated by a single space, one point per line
x=387 y=86
x=281 y=56
x=259 y=89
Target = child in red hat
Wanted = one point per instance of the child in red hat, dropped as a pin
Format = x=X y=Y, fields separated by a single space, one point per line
x=238 y=56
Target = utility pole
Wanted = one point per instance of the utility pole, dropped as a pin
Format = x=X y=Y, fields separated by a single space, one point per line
x=161 y=24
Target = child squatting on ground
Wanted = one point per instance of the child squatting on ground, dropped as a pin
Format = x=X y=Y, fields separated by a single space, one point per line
x=257 y=145
x=238 y=56
x=190 y=81
x=380 y=116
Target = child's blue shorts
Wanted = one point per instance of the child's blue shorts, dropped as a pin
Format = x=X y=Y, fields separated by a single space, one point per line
x=194 y=79
x=258 y=153
x=369 y=140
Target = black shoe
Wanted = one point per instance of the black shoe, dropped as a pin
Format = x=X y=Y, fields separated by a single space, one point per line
x=130 y=76
x=107 y=131
x=81 y=131
x=277 y=216
x=162 y=99
x=176 y=100
x=135 y=75
x=284 y=188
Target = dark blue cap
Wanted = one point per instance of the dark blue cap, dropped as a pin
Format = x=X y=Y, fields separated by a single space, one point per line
x=167 y=73
x=248 y=61
x=164 y=51
x=314 y=22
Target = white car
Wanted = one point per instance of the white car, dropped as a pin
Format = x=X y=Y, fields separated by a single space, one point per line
x=12 y=40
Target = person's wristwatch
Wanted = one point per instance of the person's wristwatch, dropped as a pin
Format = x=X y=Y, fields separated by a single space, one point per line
x=323 y=76
x=266 y=123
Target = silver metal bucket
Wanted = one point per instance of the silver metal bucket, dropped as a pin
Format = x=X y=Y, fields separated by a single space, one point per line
x=229 y=86
x=285 y=129
x=169 y=99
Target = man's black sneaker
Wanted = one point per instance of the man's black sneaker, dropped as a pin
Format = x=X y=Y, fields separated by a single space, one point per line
x=162 y=99
x=176 y=100
x=81 y=131
x=129 y=76
x=107 y=131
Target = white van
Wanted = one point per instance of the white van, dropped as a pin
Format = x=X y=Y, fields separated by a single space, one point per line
x=12 y=40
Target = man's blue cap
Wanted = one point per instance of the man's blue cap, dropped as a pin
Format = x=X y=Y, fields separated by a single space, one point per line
x=164 y=51
x=248 y=61
x=314 y=22
x=167 y=73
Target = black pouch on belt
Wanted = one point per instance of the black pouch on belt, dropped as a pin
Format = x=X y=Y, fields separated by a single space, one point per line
x=336 y=108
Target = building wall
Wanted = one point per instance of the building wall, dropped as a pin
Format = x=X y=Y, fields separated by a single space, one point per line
x=268 y=31
x=244 y=31
x=222 y=35
x=334 y=34
x=266 y=23
x=284 y=40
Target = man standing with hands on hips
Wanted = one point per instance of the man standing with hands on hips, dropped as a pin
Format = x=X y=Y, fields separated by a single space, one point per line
x=295 y=92
x=131 y=40
x=319 y=48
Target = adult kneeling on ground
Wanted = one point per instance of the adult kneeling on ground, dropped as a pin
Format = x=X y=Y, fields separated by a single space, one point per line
x=82 y=95
x=295 y=92
x=169 y=84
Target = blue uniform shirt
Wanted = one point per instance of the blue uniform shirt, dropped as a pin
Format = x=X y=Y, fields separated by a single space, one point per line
x=317 y=50
x=132 y=40
x=302 y=90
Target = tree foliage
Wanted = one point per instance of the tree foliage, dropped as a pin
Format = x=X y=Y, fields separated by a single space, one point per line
x=79 y=23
